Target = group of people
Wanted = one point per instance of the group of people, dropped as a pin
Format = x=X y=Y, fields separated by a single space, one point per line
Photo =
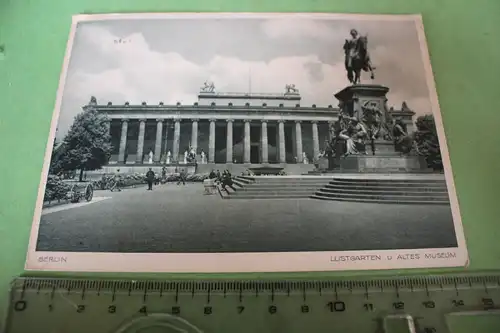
x=224 y=179
x=152 y=179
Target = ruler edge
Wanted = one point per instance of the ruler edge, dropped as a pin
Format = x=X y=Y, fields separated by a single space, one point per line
x=21 y=282
x=347 y=282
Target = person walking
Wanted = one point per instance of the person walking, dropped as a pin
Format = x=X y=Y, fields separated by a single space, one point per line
x=182 y=177
x=163 y=175
x=150 y=177
x=116 y=182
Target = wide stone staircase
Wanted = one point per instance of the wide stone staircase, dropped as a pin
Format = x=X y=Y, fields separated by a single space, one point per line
x=402 y=191
x=279 y=187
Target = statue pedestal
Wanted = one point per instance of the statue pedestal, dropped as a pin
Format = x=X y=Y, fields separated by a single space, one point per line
x=323 y=164
x=368 y=104
x=383 y=164
x=354 y=98
x=382 y=148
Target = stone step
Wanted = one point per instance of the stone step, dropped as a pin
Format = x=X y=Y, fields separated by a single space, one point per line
x=239 y=183
x=222 y=193
x=404 y=192
x=293 y=180
x=269 y=196
x=387 y=184
x=244 y=180
x=415 y=188
x=384 y=201
x=247 y=177
x=281 y=189
x=338 y=171
x=228 y=191
x=381 y=197
x=273 y=192
x=388 y=181
x=298 y=184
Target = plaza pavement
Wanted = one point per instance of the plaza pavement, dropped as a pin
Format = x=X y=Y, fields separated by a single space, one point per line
x=175 y=218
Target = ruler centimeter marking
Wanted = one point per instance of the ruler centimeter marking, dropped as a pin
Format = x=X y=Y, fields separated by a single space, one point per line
x=422 y=301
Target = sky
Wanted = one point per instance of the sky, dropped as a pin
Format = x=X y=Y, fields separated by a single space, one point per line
x=168 y=60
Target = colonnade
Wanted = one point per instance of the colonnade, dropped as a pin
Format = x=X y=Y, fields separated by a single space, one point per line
x=211 y=142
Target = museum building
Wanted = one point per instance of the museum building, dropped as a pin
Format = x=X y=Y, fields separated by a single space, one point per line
x=237 y=130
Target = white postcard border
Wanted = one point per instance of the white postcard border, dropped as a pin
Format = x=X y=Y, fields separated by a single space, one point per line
x=250 y=262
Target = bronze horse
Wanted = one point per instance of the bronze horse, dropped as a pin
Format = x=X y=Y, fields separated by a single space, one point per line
x=358 y=60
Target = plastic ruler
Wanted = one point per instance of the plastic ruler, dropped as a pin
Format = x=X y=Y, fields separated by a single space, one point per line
x=417 y=304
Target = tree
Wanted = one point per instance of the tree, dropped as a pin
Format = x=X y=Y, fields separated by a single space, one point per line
x=87 y=144
x=427 y=142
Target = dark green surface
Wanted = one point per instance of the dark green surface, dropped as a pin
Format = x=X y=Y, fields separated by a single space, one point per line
x=463 y=40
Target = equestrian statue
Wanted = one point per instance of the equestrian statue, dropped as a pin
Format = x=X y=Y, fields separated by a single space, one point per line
x=357 y=57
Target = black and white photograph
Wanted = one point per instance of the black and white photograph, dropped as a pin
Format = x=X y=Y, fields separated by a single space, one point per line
x=246 y=143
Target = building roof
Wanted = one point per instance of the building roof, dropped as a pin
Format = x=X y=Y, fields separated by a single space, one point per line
x=258 y=96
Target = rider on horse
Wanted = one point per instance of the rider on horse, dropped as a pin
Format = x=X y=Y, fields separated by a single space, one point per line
x=351 y=48
x=357 y=57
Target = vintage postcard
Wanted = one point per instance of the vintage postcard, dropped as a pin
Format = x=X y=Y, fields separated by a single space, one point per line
x=246 y=143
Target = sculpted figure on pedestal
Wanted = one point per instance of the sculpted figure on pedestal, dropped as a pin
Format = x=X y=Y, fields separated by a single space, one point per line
x=403 y=143
x=354 y=136
x=150 y=157
x=357 y=57
x=208 y=87
x=290 y=89
x=169 y=157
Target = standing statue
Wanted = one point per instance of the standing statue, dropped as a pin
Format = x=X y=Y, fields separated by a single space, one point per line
x=305 y=160
x=373 y=119
x=191 y=158
x=169 y=157
x=150 y=157
x=357 y=57
x=186 y=156
x=203 y=157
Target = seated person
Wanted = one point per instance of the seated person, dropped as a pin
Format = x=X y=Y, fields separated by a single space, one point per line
x=227 y=180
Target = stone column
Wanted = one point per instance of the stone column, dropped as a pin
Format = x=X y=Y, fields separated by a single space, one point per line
x=246 y=144
x=211 y=142
x=229 y=141
x=315 y=140
x=281 y=141
x=263 y=142
x=177 y=137
x=194 y=135
x=298 y=138
x=140 y=141
x=159 y=132
x=123 y=141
